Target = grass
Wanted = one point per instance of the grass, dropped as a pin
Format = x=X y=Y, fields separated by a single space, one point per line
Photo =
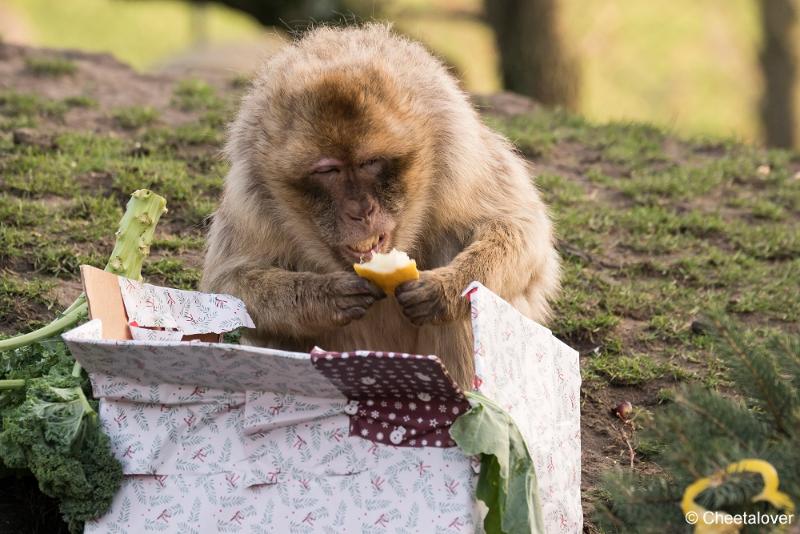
x=80 y=101
x=654 y=230
x=19 y=110
x=654 y=237
x=651 y=237
x=629 y=370
x=60 y=204
x=135 y=117
x=53 y=67
x=194 y=95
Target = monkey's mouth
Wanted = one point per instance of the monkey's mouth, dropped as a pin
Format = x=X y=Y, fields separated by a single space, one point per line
x=363 y=250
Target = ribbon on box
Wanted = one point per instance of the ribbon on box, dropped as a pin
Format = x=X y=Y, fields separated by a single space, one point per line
x=165 y=314
x=406 y=400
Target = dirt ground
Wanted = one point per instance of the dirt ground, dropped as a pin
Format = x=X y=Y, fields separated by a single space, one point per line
x=653 y=229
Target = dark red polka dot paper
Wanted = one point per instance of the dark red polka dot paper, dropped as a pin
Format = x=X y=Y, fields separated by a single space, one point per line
x=406 y=400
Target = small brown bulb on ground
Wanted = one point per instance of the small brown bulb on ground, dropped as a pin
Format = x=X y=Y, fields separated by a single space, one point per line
x=624 y=410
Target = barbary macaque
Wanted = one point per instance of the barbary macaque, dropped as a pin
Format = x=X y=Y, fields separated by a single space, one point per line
x=355 y=141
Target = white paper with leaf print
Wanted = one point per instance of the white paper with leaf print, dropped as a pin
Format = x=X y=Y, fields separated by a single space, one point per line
x=213 y=365
x=148 y=334
x=275 y=461
x=304 y=474
x=189 y=312
x=416 y=490
x=536 y=378
x=265 y=411
x=259 y=441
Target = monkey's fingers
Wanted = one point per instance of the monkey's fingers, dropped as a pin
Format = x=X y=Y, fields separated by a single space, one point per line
x=359 y=286
x=424 y=312
x=411 y=293
x=344 y=317
x=354 y=301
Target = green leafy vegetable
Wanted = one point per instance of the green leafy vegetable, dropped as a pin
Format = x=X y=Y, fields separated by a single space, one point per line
x=49 y=426
x=507 y=482
x=55 y=433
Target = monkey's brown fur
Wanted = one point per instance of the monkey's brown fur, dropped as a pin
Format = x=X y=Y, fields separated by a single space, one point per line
x=458 y=199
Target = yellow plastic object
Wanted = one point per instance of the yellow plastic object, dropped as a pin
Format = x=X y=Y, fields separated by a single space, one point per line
x=696 y=514
x=387 y=280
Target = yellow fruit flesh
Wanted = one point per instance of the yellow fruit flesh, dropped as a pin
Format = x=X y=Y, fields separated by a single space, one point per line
x=388 y=281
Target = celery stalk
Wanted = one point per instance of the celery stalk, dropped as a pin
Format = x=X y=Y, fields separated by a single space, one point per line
x=134 y=236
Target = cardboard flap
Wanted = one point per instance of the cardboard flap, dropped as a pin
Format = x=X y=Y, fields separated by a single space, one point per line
x=127 y=307
x=535 y=377
x=105 y=302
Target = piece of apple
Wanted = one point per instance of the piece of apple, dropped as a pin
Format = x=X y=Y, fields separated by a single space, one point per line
x=388 y=270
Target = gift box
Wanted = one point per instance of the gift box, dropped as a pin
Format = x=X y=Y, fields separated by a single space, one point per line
x=216 y=437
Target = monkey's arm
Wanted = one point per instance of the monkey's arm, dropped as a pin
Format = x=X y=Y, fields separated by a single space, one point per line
x=510 y=256
x=297 y=304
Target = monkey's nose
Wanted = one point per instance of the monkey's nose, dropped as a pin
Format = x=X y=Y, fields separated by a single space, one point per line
x=362 y=213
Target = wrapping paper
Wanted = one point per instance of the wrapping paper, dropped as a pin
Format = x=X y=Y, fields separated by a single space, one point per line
x=188 y=312
x=536 y=378
x=212 y=365
x=148 y=334
x=399 y=399
x=271 y=441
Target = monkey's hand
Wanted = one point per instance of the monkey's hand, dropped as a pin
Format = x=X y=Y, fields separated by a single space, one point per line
x=433 y=299
x=348 y=296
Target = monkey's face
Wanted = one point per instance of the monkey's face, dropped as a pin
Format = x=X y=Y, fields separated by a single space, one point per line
x=340 y=156
x=354 y=203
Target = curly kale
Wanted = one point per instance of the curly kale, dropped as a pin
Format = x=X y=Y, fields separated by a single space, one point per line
x=55 y=433
x=49 y=426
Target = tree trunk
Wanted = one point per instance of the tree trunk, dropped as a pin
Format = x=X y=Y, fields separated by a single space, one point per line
x=779 y=67
x=534 y=59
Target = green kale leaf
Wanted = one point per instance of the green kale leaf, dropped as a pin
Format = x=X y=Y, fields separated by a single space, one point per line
x=507 y=481
x=55 y=433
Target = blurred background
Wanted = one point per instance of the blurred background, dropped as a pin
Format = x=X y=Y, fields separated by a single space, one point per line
x=697 y=67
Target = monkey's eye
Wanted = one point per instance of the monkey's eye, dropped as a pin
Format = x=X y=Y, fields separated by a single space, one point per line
x=374 y=164
x=327 y=166
x=329 y=170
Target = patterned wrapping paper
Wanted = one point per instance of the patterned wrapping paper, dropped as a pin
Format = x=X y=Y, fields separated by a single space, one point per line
x=214 y=365
x=198 y=468
x=395 y=398
x=263 y=440
x=233 y=458
x=148 y=334
x=536 y=379
x=188 y=312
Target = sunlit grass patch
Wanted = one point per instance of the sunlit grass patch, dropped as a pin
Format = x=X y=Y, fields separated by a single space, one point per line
x=581 y=313
x=21 y=301
x=135 y=117
x=629 y=370
x=633 y=145
x=62 y=261
x=193 y=134
x=767 y=241
x=80 y=101
x=173 y=273
x=177 y=244
x=194 y=95
x=536 y=133
x=21 y=109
